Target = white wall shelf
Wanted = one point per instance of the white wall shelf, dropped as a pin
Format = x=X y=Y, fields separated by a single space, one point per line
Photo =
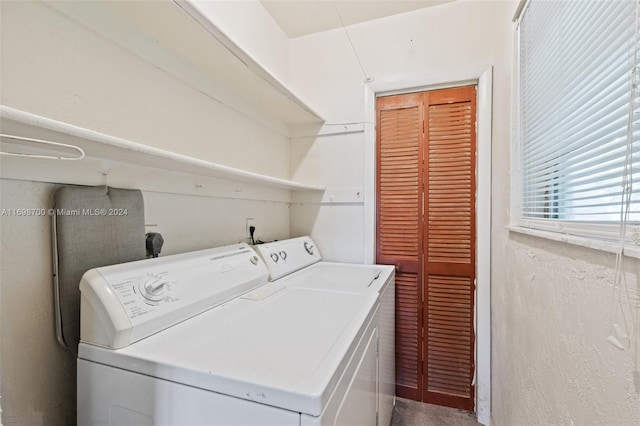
x=111 y=159
x=184 y=42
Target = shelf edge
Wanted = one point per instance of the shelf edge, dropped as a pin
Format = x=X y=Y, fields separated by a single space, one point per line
x=200 y=17
x=200 y=167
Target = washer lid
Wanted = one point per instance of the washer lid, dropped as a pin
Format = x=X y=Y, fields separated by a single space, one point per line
x=287 y=350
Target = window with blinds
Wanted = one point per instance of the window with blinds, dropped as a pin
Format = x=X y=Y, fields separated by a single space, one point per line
x=578 y=119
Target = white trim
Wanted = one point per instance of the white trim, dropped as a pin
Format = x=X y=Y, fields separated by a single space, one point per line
x=483 y=253
x=591 y=243
x=483 y=77
x=515 y=206
x=369 y=211
x=519 y=10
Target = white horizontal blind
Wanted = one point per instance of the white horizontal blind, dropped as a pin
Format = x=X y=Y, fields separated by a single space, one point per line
x=576 y=62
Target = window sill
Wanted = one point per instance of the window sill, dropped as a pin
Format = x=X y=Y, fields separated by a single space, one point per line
x=606 y=246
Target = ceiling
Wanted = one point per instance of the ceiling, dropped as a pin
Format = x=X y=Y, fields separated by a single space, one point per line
x=302 y=17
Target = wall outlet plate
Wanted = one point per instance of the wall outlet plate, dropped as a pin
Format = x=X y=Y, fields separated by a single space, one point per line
x=250 y=222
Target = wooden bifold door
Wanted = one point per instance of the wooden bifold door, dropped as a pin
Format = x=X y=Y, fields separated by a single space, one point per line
x=426 y=185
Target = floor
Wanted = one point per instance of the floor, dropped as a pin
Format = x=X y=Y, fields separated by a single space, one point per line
x=414 y=413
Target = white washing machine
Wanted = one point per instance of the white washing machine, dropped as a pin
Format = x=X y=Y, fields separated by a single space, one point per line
x=203 y=339
x=297 y=263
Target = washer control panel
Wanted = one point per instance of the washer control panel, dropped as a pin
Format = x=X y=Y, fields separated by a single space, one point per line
x=153 y=287
x=287 y=256
x=121 y=304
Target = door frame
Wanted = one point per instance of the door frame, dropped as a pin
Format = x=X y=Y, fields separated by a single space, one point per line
x=483 y=78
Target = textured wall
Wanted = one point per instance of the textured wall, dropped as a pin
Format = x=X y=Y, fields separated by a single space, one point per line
x=35 y=370
x=551 y=315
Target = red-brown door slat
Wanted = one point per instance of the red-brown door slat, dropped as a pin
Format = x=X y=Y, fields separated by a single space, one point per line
x=449 y=247
x=399 y=236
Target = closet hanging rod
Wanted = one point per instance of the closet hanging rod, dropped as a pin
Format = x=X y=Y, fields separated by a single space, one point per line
x=80 y=155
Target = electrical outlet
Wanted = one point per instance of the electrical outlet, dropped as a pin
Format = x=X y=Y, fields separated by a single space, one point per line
x=250 y=222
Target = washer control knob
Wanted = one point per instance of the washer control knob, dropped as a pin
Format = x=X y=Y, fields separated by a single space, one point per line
x=153 y=288
x=308 y=247
x=283 y=255
x=274 y=257
x=254 y=260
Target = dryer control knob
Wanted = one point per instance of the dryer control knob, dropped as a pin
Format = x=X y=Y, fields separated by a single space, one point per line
x=153 y=288
x=283 y=255
x=274 y=257
x=308 y=247
x=254 y=260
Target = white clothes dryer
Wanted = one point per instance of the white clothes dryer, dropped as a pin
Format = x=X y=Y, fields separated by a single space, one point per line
x=297 y=262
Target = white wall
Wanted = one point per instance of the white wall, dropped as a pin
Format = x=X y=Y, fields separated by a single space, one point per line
x=550 y=301
x=54 y=67
x=335 y=163
x=35 y=371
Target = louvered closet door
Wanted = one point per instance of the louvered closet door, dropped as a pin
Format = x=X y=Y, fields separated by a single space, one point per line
x=399 y=223
x=426 y=227
x=449 y=247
